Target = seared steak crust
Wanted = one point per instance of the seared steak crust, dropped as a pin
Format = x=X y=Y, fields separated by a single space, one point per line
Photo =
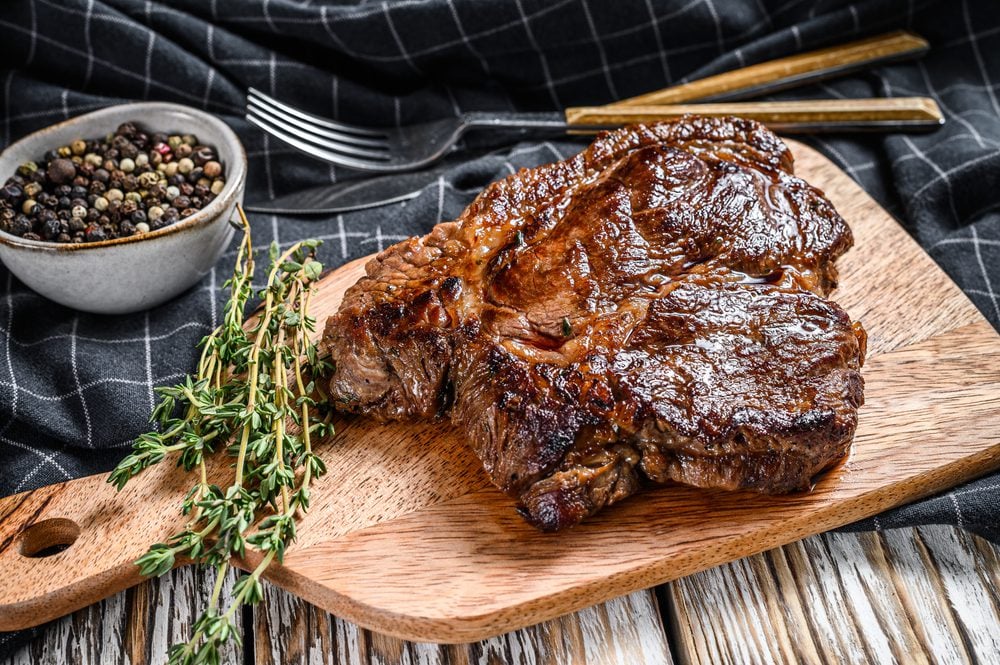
x=651 y=308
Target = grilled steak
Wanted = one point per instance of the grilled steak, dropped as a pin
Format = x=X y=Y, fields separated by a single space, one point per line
x=653 y=308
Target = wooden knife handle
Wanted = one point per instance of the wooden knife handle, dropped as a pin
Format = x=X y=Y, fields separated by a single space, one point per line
x=791 y=116
x=788 y=72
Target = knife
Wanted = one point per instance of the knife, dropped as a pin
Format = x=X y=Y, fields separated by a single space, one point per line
x=349 y=195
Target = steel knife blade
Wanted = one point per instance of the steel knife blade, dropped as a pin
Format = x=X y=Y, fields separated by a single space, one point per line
x=349 y=195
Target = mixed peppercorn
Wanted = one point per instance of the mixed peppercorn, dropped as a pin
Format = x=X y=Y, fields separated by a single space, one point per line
x=129 y=182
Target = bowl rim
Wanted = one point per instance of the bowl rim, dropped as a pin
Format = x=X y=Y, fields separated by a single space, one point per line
x=204 y=217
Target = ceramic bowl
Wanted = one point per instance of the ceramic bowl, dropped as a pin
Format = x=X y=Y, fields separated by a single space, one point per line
x=138 y=272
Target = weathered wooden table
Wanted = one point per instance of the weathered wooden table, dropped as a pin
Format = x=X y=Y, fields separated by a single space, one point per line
x=930 y=594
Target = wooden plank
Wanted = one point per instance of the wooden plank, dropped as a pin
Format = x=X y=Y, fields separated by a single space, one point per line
x=625 y=630
x=135 y=627
x=900 y=596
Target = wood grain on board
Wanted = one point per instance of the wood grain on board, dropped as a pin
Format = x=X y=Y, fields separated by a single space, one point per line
x=409 y=538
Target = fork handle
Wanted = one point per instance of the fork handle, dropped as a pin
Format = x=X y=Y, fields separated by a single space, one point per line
x=788 y=72
x=891 y=114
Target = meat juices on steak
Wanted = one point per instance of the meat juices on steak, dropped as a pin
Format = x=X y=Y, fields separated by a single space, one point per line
x=652 y=307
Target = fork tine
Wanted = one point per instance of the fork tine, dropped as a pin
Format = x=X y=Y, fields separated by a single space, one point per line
x=253 y=105
x=324 y=143
x=315 y=119
x=318 y=152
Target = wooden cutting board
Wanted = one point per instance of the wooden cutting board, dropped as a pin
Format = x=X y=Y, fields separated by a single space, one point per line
x=407 y=536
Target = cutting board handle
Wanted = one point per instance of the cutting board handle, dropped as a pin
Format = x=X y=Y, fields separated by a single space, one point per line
x=65 y=546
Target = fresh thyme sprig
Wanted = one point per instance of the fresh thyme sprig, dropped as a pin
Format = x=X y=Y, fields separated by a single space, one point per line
x=253 y=394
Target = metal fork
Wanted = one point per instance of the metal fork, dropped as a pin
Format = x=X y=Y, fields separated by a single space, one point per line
x=386 y=149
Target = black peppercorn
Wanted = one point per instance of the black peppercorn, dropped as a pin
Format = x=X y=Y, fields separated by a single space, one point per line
x=181 y=202
x=77 y=224
x=11 y=192
x=126 y=228
x=61 y=171
x=50 y=229
x=20 y=225
x=95 y=233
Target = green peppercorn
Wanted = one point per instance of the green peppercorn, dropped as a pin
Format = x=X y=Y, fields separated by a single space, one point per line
x=173 y=142
x=78 y=147
x=64 y=151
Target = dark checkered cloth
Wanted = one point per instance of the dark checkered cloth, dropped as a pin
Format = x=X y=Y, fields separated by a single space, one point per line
x=75 y=389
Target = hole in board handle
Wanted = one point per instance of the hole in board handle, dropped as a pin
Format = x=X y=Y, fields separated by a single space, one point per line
x=48 y=537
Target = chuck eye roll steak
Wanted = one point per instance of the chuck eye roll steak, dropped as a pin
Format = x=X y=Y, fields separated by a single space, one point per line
x=653 y=308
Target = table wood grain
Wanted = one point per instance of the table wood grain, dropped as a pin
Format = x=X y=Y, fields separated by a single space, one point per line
x=930 y=594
